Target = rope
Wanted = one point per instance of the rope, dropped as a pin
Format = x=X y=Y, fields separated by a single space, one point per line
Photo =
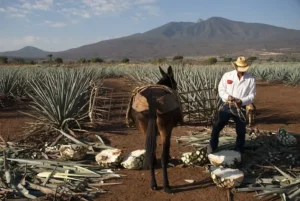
x=240 y=114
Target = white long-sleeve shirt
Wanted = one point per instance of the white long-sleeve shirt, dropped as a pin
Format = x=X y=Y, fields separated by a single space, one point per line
x=244 y=89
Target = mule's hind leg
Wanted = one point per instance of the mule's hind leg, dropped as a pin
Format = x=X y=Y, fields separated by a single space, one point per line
x=164 y=162
x=143 y=125
x=165 y=129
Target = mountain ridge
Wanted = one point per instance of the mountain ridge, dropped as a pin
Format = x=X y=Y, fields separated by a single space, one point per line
x=216 y=35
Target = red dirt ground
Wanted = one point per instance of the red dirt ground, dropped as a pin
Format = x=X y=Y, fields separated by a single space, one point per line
x=276 y=104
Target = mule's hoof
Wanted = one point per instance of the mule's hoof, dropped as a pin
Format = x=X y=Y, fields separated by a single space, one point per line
x=154 y=187
x=168 y=190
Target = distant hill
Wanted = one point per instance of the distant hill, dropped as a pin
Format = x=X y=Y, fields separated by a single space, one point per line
x=214 y=36
x=26 y=52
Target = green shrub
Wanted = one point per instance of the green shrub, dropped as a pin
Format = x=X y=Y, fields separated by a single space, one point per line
x=125 y=60
x=212 y=60
x=59 y=60
x=32 y=62
x=82 y=60
x=97 y=60
x=178 y=57
x=3 y=60
x=159 y=60
x=251 y=59
x=227 y=59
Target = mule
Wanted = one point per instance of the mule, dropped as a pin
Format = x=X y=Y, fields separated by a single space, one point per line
x=150 y=122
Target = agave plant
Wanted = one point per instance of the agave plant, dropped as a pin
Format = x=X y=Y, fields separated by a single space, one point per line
x=62 y=96
x=9 y=78
x=260 y=73
x=277 y=74
x=293 y=78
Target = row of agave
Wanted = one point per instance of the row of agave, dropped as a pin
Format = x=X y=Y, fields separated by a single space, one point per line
x=60 y=95
x=289 y=75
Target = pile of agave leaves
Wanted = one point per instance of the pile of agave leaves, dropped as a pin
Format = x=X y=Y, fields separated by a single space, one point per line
x=29 y=172
x=270 y=169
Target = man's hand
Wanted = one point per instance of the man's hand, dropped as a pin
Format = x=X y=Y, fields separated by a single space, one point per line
x=239 y=102
x=230 y=98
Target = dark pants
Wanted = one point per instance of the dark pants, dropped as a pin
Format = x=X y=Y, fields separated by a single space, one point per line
x=224 y=116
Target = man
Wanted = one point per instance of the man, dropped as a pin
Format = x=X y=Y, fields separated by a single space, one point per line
x=237 y=89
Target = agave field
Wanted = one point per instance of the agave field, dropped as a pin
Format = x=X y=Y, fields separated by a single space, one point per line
x=59 y=96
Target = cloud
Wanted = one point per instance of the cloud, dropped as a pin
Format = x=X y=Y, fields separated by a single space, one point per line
x=138 y=17
x=12 y=9
x=15 y=12
x=54 y=24
x=58 y=25
x=99 y=7
x=80 y=8
x=76 y=12
x=144 y=1
x=74 y=21
x=16 y=15
x=37 y=4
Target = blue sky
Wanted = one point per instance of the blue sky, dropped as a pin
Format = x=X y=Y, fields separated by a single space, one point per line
x=56 y=25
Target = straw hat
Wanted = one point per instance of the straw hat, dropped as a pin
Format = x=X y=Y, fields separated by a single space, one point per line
x=240 y=64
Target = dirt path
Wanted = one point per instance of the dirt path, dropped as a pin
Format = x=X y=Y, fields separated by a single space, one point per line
x=277 y=106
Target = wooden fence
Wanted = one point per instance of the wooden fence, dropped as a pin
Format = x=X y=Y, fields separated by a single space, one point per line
x=199 y=106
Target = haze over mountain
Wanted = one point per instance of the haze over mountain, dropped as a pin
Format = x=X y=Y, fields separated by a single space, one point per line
x=214 y=36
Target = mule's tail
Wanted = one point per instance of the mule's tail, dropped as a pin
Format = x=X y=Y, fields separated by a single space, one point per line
x=150 y=158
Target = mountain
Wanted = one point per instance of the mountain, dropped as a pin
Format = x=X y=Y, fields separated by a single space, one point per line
x=26 y=52
x=214 y=36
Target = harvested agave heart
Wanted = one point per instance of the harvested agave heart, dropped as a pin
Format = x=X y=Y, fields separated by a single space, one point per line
x=226 y=158
x=134 y=160
x=197 y=157
x=226 y=177
x=286 y=138
x=109 y=158
x=73 y=151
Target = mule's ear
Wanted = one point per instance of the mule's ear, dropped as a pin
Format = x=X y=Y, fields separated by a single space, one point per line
x=161 y=71
x=170 y=71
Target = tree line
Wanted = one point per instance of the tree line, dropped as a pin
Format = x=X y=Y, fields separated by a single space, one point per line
x=51 y=59
x=177 y=58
